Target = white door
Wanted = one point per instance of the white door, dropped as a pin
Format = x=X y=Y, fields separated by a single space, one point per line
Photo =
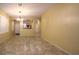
x=17 y=27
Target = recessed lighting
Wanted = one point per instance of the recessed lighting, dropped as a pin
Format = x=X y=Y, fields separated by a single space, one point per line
x=19 y=11
x=19 y=4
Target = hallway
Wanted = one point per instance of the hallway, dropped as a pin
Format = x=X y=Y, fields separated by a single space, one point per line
x=28 y=46
x=39 y=28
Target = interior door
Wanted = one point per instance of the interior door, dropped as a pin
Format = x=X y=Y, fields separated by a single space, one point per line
x=17 y=28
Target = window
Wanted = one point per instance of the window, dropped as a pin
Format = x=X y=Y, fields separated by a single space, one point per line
x=4 y=24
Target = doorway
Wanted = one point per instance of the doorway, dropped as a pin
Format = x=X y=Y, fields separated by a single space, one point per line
x=17 y=27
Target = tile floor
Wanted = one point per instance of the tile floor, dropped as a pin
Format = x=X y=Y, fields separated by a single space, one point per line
x=28 y=46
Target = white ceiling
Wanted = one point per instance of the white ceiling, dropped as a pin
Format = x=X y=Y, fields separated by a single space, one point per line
x=27 y=9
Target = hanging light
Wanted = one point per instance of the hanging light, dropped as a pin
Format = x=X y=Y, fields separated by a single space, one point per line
x=20 y=11
x=18 y=19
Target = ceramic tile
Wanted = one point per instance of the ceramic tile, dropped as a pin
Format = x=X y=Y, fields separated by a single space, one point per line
x=19 y=45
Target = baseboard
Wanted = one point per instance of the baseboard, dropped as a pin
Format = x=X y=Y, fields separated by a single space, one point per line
x=62 y=49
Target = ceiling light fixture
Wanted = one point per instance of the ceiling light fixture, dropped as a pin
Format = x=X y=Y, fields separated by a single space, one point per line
x=19 y=11
x=18 y=19
x=19 y=4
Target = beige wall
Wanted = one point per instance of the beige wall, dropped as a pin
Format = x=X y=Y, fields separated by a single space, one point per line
x=60 y=26
x=6 y=35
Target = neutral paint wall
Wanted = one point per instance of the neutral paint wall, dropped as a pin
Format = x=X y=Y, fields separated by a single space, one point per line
x=6 y=35
x=60 y=26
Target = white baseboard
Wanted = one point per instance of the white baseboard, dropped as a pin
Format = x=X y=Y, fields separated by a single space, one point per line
x=62 y=49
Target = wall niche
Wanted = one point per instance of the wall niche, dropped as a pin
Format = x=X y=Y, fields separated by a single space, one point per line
x=27 y=24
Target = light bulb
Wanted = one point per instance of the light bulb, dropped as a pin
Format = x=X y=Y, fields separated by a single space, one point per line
x=18 y=19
